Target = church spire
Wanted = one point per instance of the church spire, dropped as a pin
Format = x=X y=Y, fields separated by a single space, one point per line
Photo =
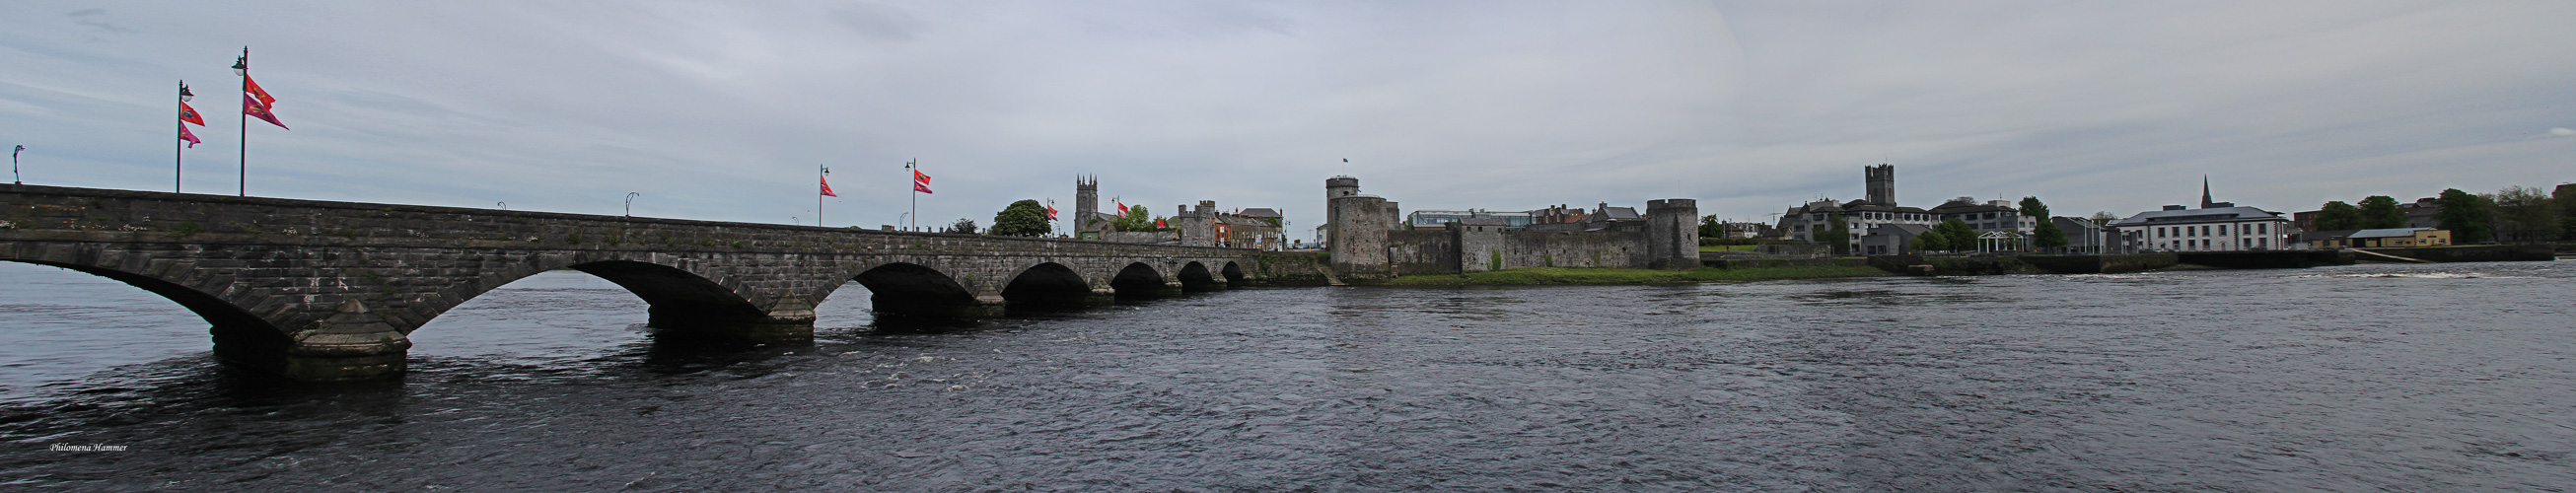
x=2204 y=193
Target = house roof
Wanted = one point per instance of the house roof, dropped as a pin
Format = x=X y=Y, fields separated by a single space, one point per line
x=1260 y=212
x=2386 y=233
x=2193 y=216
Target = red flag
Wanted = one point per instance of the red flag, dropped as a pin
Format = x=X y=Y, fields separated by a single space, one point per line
x=1158 y=224
x=253 y=108
x=917 y=177
x=189 y=114
x=917 y=187
x=827 y=187
x=1122 y=207
x=191 y=137
x=1050 y=213
x=252 y=87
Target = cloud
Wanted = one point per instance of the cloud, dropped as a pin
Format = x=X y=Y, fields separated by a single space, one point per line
x=2563 y=132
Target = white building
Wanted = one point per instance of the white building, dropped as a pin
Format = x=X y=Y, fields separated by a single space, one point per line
x=2214 y=227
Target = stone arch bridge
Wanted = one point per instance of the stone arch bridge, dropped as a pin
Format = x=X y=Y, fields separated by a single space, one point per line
x=326 y=291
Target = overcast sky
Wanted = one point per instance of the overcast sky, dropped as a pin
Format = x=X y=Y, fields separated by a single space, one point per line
x=722 y=110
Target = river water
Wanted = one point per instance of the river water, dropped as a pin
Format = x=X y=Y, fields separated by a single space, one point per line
x=2454 y=377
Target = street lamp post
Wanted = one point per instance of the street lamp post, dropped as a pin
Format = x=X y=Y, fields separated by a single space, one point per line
x=630 y=203
x=241 y=67
x=178 y=155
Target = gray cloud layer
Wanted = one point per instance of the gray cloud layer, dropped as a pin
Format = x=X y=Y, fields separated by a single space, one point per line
x=721 y=111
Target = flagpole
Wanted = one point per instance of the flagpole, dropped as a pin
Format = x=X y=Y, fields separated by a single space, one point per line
x=818 y=197
x=178 y=155
x=242 y=67
x=913 y=166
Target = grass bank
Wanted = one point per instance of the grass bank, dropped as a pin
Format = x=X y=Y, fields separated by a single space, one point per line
x=1536 y=276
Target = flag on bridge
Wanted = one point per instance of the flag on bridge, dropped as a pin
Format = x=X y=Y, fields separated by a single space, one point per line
x=251 y=106
x=917 y=177
x=1122 y=207
x=1050 y=212
x=191 y=137
x=189 y=114
x=918 y=187
x=251 y=88
x=827 y=187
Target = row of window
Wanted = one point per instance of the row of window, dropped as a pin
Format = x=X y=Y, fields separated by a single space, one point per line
x=2205 y=244
x=2212 y=230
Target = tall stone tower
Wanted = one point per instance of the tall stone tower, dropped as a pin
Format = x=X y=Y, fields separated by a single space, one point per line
x=1672 y=234
x=1356 y=226
x=1882 y=184
x=1086 y=201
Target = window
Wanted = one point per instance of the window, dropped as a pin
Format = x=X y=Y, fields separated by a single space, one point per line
x=2264 y=228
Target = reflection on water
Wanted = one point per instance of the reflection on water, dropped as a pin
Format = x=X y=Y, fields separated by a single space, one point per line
x=2379 y=377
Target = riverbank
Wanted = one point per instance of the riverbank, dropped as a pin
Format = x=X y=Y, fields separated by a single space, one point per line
x=1537 y=276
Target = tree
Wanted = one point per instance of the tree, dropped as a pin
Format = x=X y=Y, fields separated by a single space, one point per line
x=2565 y=197
x=1839 y=237
x=1930 y=240
x=1136 y=219
x=963 y=225
x=2030 y=206
x=1022 y=218
x=1957 y=235
x=2104 y=218
x=2528 y=212
x=2380 y=212
x=2046 y=234
x=1709 y=227
x=2337 y=215
x=2465 y=214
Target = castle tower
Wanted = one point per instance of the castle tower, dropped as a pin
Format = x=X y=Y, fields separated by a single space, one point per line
x=1881 y=180
x=1086 y=201
x=1672 y=234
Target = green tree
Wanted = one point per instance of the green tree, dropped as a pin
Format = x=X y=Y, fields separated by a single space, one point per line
x=2380 y=212
x=1709 y=227
x=1957 y=235
x=2030 y=206
x=2104 y=218
x=2465 y=214
x=1839 y=237
x=2046 y=234
x=2565 y=197
x=1930 y=241
x=1022 y=218
x=2337 y=215
x=1136 y=219
x=2528 y=212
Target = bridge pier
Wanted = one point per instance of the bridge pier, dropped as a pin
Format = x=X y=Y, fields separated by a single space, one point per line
x=350 y=345
x=783 y=325
x=1101 y=296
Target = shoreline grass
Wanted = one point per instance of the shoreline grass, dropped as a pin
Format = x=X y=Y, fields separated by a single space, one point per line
x=1545 y=276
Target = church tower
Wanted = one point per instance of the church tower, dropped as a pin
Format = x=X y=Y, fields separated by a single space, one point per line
x=1881 y=182
x=1086 y=202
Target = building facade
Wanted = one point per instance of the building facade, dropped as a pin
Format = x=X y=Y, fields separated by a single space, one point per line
x=2214 y=227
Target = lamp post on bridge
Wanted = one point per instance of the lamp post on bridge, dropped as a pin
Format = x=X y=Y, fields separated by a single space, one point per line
x=630 y=203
